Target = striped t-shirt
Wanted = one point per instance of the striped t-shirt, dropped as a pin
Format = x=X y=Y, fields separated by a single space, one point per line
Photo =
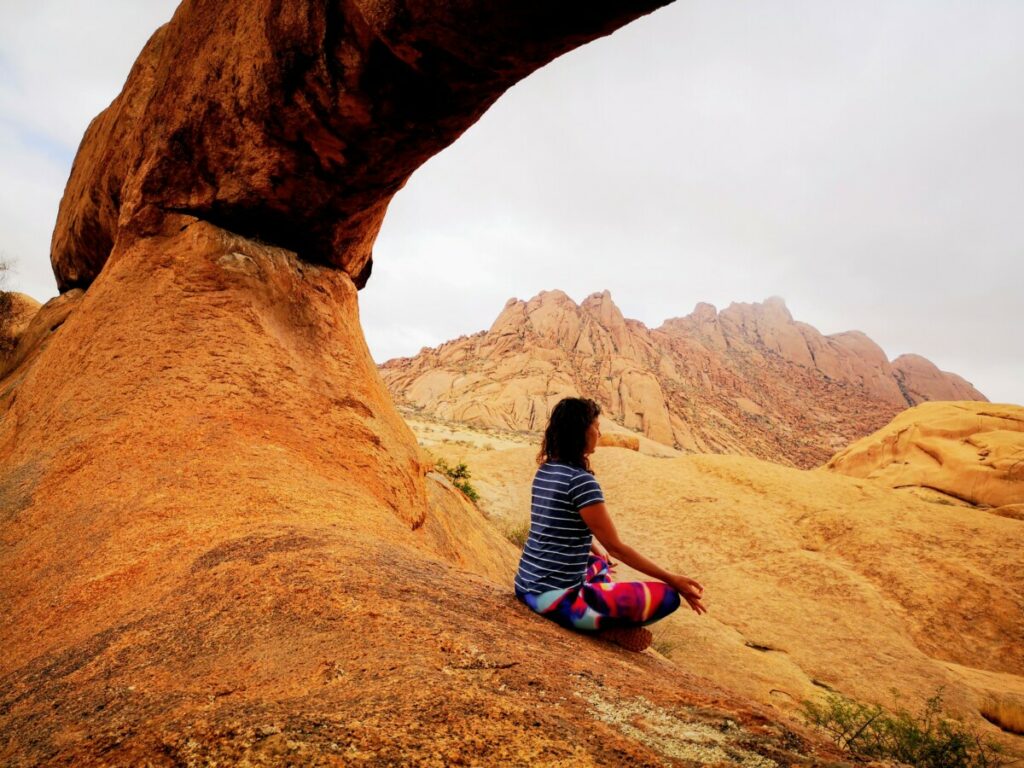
x=556 y=551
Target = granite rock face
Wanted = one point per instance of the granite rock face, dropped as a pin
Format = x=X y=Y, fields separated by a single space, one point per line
x=921 y=381
x=970 y=451
x=748 y=380
x=16 y=313
x=296 y=122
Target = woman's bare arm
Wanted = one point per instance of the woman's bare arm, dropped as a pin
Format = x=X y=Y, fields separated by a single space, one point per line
x=597 y=549
x=600 y=523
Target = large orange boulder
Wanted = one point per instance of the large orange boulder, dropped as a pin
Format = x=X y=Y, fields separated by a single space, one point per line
x=972 y=451
x=220 y=544
x=16 y=313
x=921 y=380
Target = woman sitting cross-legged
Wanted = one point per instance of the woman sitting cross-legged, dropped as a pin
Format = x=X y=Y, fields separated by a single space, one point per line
x=564 y=575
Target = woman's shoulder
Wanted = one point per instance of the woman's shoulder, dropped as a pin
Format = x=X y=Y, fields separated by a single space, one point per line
x=568 y=471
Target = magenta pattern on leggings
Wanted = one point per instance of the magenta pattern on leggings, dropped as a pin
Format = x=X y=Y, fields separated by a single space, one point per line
x=600 y=603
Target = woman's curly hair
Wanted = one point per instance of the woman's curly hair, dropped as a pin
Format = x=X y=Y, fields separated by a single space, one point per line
x=566 y=435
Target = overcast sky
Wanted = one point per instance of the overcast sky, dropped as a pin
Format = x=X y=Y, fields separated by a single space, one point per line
x=862 y=160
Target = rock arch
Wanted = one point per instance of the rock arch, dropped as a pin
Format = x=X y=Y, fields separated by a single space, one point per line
x=296 y=122
x=218 y=539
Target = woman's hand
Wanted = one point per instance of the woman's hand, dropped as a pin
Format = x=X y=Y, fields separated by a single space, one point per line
x=691 y=590
x=600 y=523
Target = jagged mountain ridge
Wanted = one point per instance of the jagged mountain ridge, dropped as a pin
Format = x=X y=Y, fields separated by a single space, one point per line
x=749 y=379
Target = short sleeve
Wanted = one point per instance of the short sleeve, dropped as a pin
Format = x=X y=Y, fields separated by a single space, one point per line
x=584 y=490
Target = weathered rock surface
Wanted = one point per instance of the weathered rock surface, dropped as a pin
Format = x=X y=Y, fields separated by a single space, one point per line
x=970 y=451
x=921 y=381
x=619 y=440
x=22 y=308
x=296 y=122
x=16 y=312
x=34 y=326
x=814 y=581
x=747 y=380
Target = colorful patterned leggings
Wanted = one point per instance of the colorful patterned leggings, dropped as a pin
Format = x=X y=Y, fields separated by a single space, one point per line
x=601 y=603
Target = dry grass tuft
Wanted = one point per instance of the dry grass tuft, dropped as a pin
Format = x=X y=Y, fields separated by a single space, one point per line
x=517 y=533
x=1007 y=713
x=663 y=643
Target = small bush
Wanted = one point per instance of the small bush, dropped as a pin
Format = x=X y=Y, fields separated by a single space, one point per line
x=518 y=533
x=459 y=475
x=928 y=740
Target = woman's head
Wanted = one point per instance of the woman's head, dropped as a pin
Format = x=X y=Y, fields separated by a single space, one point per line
x=569 y=438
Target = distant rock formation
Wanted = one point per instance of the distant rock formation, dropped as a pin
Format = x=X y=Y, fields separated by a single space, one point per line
x=970 y=451
x=619 y=440
x=747 y=380
x=920 y=381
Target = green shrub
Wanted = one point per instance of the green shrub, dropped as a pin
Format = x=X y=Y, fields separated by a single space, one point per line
x=928 y=740
x=459 y=475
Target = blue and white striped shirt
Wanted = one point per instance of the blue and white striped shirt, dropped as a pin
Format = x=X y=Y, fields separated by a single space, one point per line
x=556 y=551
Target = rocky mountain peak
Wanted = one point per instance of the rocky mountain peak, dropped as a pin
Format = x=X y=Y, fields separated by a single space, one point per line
x=749 y=379
x=921 y=380
x=704 y=312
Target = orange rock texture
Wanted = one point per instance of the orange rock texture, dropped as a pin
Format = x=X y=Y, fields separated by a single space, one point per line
x=29 y=335
x=16 y=313
x=619 y=440
x=747 y=380
x=921 y=381
x=970 y=451
x=219 y=542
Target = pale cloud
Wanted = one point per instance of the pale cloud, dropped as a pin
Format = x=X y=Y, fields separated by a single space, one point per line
x=31 y=183
x=65 y=60
x=61 y=63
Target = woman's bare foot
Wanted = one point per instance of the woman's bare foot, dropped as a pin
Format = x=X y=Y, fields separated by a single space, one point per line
x=631 y=638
